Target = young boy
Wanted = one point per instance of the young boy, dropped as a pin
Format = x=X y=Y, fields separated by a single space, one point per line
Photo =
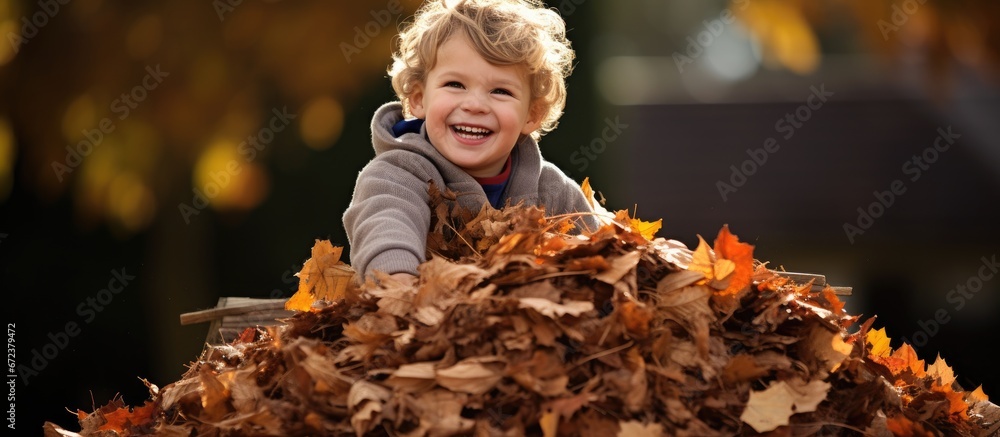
x=482 y=80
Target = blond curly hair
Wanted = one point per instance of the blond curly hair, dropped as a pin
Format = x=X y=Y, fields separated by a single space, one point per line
x=504 y=32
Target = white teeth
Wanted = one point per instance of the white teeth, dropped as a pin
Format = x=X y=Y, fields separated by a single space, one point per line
x=472 y=130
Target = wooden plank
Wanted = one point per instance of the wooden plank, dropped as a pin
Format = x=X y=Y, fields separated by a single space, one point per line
x=232 y=315
x=803 y=278
x=226 y=307
x=819 y=282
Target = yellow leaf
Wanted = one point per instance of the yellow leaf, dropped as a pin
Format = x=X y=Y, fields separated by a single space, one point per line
x=978 y=395
x=588 y=192
x=549 y=423
x=941 y=371
x=701 y=259
x=300 y=301
x=723 y=268
x=323 y=277
x=879 y=343
x=646 y=229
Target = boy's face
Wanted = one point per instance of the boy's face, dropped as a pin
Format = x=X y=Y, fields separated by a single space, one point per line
x=474 y=111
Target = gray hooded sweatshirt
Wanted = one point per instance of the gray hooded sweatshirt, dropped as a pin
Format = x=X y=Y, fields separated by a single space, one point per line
x=389 y=216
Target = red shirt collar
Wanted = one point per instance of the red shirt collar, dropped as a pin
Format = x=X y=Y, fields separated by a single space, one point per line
x=498 y=179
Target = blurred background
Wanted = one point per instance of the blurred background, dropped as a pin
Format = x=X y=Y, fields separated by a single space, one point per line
x=155 y=156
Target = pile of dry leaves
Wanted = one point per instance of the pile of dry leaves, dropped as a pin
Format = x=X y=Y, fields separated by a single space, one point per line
x=520 y=325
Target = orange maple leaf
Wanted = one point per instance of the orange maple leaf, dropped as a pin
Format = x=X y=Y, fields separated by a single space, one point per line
x=836 y=305
x=902 y=426
x=121 y=419
x=908 y=358
x=957 y=404
x=728 y=246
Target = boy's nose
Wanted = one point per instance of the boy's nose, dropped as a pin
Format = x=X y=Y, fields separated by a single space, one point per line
x=473 y=102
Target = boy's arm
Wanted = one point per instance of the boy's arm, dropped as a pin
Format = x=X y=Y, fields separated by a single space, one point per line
x=389 y=217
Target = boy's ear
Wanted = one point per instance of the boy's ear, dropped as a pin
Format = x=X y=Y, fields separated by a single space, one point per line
x=416 y=101
x=534 y=121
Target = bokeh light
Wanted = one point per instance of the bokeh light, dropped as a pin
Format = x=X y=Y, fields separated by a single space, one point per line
x=322 y=121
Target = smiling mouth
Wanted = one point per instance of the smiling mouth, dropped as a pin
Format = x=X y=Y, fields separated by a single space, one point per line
x=470 y=132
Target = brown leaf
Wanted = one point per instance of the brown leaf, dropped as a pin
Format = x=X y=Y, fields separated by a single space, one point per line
x=620 y=266
x=214 y=396
x=366 y=400
x=413 y=377
x=543 y=373
x=827 y=347
x=475 y=375
x=679 y=279
x=440 y=413
x=633 y=428
x=555 y=310
x=636 y=318
x=392 y=295
x=689 y=307
x=441 y=279
x=52 y=430
x=741 y=368
x=565 y=407
x=183 y=393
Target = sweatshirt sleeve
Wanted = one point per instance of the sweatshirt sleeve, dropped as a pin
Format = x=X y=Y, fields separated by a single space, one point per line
x=389 y=216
